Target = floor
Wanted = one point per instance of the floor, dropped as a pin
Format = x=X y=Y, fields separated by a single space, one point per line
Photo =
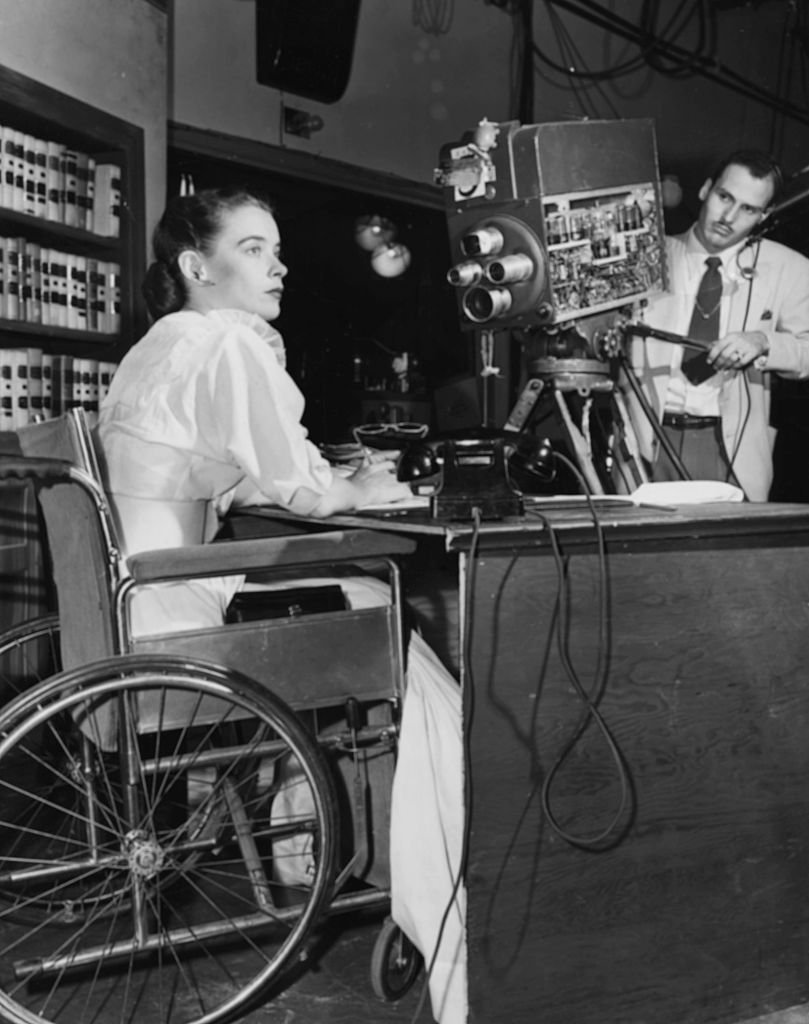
x=336 y=987
x=338 y=990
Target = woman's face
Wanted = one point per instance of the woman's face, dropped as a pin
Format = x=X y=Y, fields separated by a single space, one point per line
x=243 y=269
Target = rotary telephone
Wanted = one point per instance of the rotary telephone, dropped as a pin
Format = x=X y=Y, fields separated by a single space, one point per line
x=473 y=471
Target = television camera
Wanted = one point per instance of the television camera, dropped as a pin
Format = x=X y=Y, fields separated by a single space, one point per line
x=556 y=236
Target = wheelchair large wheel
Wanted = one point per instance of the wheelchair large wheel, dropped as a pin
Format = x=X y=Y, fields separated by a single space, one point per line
x=29 y=653
x=203 y=853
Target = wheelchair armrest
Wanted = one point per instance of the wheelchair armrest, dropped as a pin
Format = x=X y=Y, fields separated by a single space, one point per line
x=42 y=470
x=236 y=556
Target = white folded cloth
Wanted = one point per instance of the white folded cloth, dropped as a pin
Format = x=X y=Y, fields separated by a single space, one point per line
x=686 y=492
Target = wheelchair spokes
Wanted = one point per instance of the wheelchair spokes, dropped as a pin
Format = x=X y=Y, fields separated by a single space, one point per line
x=169 y=874
x=29 y=653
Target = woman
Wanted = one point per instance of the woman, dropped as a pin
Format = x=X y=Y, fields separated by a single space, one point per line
x=201 y=413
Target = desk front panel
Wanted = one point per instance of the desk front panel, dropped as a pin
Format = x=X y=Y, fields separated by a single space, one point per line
x=694 y=904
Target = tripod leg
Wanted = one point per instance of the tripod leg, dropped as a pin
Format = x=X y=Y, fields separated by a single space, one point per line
x=648 y=412
x=627 y=450
x=524 y=406
x=578 y=446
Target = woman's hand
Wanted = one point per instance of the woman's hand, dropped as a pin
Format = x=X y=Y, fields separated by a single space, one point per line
x=372 y=483
x=376 y=480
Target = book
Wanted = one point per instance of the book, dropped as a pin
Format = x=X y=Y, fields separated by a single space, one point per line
x=59 y=288
x=11 y=252
x=82 y=190
x=86 y=385
x=70 y=310
x=106 y=371
x=26 y=279
x=95 y=296
x=112 y=297
x=35 y=389
x=8 y=166
x=77 y=292
x=107 y=200
x=18 y=194
x=45 y=286
x=62 y=384
x=47 y=385
x=6 y=399
x=18 y=359
x=29 y=175
x=69 y=168
x=54 y=183
x=41 y=165
x=32 y=281
x=89 y=195
x=2 y=166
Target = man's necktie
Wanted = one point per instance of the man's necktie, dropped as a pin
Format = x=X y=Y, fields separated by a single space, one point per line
x=704 y=321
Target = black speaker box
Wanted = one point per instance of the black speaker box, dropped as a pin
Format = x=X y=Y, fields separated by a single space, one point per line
x=306 y=46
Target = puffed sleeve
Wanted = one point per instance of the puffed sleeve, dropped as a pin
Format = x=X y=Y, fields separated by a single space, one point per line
x=255 y=408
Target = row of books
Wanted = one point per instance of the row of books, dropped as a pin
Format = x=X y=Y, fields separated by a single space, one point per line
x=36 y=385
x=44 y=286
x=58 y=183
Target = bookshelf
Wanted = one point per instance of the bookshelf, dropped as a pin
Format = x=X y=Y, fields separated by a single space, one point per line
x=66 y=141
x=43 y=113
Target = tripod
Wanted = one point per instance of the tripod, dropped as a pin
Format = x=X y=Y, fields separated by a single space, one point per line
x=588 y=391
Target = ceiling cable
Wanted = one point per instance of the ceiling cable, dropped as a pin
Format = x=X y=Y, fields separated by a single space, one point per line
x=707 y=67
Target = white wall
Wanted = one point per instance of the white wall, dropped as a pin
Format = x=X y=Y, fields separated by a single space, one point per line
x=109 y=53
x=409 y=93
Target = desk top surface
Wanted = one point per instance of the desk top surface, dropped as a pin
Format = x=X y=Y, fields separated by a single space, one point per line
x=576 y=519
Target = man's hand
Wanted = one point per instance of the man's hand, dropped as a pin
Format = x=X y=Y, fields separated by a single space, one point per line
x=737 y=351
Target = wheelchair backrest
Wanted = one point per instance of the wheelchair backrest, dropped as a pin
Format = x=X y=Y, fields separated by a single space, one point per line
x=81 y=538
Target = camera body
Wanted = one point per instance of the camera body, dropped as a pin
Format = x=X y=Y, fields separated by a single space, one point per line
x=551 y=224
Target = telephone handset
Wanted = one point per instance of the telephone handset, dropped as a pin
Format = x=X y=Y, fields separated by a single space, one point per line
x=474 y=471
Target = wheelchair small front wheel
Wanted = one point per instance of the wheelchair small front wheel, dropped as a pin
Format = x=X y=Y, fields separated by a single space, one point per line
x=395 y=963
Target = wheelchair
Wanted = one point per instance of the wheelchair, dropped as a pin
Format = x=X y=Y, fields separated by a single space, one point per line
x=173 y=808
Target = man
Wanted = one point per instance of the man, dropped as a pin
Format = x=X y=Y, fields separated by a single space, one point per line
x=748 y=301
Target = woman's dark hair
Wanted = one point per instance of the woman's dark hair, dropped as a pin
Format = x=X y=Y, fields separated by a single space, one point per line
x=188 y=222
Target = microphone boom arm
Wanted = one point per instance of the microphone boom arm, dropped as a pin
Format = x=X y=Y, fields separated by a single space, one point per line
x=644 y=331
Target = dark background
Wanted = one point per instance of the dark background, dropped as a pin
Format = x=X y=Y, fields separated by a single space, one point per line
x=335 y=306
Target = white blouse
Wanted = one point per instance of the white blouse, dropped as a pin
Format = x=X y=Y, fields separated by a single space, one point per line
x=201 y=412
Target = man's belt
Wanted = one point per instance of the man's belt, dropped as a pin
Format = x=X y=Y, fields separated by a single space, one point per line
x=685 y=421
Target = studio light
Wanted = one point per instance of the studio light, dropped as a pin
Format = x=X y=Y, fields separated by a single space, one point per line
x=371 y=231
x=391 y=259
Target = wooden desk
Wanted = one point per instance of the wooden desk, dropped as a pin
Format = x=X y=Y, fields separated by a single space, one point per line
x=696 y=907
